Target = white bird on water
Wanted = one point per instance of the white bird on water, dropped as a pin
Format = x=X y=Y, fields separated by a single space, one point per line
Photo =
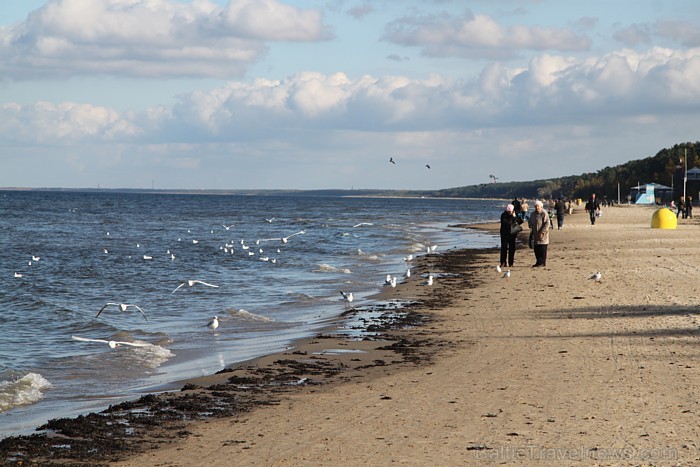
x=597 y=276
x=214 y=323
x=112 y=344
x=35 y=258
x=18 y=275
x=122 y=307
x=190 y=283
x=347 y=296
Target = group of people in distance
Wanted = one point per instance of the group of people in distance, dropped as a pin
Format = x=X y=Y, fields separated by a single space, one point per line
x=684 y=207
x=540 y=223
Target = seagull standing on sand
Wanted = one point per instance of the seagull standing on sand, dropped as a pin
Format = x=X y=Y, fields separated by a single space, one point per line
x=190 y=283
x=430 y=280
x=347 y=296
x=407 y=274
x=214 y=323
x=597 y=276
x=122 y=307
x=110 y=343
x=507 y=274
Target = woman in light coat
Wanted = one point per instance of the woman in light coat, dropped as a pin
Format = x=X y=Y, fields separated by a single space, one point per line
x=539 y=225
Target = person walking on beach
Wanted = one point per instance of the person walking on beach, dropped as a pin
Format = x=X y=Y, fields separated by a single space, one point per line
x=560 y=209
x=510 y=227
x=523 y=210
x=689 y=207
x=539 y=225
x=593 y=207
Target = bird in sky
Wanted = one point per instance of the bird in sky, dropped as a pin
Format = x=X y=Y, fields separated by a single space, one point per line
x=112 y=344
x=122 y=307
x=190 y=283
x=391 y=159
x=427 y=165
x=227 y=227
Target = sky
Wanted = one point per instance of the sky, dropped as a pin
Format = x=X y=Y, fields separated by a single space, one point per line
x=296 y=94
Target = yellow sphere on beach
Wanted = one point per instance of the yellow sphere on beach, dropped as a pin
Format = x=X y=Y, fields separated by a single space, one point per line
x=664 y=218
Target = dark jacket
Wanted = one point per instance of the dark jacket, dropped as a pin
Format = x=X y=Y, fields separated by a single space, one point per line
x=508 y=220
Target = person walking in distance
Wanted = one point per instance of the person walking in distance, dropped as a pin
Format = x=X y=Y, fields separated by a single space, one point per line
x=560 y=209
x=539 y=224
x=592 y=207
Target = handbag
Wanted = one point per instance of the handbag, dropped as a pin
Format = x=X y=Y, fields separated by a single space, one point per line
x=516 y=229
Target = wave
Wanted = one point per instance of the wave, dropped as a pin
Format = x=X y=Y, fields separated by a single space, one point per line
x=23 y=390
x=329 y=268
x=247 y=315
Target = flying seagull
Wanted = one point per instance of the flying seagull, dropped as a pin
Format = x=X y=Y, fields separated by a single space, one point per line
x=391 y=159
x=190 y=283
x=110 y=343
x=427 y=165
x=285 y=239
x=122 y=307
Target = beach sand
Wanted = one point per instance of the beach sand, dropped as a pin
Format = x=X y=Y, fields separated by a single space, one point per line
x=547 y=367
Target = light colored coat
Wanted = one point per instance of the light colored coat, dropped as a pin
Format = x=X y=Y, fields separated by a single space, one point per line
x=540 y=226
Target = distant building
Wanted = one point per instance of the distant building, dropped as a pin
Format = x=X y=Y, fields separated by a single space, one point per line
x=694 y=174
x=651 y=193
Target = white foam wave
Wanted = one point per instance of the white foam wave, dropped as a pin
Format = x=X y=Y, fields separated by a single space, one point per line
x=329 y=268
x=24 y=390
x=245 y=314
x=153 y=356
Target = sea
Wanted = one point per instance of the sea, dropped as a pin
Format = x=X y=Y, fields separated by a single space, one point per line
x=269 y=267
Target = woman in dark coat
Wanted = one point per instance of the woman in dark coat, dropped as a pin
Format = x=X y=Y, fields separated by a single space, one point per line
x=508 y=221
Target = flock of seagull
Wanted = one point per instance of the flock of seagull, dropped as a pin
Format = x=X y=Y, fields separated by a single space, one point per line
x=213 y=324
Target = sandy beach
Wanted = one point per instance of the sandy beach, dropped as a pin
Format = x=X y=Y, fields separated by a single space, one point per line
x=544 y=367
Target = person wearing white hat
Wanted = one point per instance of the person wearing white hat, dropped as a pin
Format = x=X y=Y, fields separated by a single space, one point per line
x=510 y=227
x=539 y=225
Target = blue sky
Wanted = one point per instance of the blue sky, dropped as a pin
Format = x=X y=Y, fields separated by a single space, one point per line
x=291 y=94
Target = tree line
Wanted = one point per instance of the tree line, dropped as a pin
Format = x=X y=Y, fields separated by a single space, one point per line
x=666 y=168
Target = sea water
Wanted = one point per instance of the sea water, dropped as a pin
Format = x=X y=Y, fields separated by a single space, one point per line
x=274 y=265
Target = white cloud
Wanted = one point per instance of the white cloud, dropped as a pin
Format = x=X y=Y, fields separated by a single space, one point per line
x=478 y=36
x=151 y=38
x=551 y=87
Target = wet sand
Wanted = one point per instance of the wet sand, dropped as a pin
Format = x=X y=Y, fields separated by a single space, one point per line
x=547 y=367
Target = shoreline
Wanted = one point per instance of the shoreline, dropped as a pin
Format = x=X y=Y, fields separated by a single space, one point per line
x=377 y=342
x=545 y=367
